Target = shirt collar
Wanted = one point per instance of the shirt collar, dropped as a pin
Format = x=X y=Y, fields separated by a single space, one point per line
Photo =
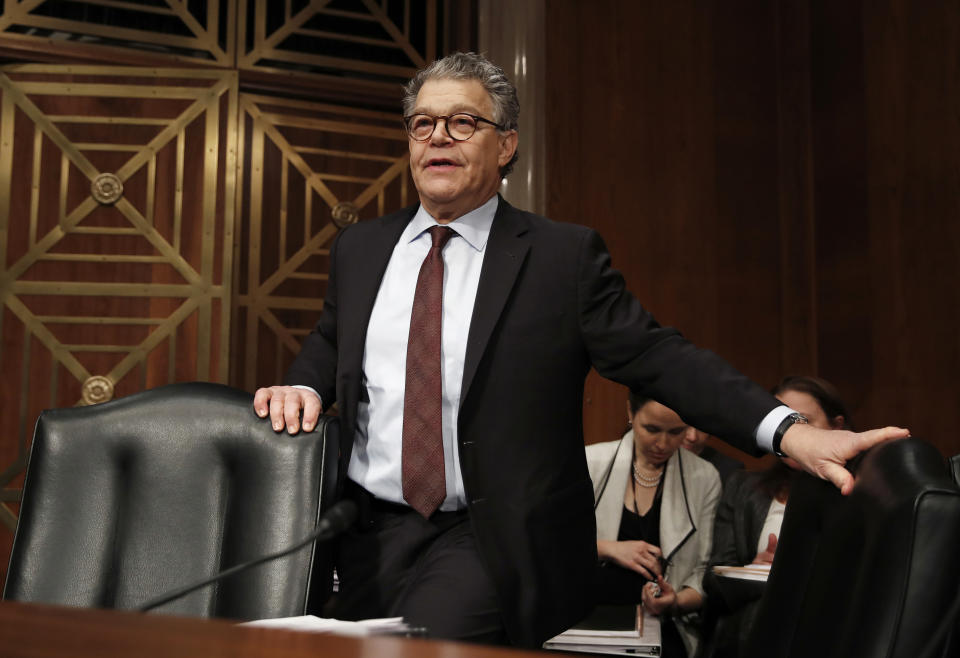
x=474 y=227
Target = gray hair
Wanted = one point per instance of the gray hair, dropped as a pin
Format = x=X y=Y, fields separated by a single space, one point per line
x=471 y=66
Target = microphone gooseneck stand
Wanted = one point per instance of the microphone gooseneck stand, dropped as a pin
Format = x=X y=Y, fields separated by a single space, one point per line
x=337 y=519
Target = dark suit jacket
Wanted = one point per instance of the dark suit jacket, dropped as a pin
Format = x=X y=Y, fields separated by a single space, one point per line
x=732 y=604
x=548 y=307
x=740 y=516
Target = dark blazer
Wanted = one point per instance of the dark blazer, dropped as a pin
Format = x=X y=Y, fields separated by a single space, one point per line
x=731 y=611
x=740 y=516
x=548 y=307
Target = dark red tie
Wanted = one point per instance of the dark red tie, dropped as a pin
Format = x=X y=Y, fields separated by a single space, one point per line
x=424 y=481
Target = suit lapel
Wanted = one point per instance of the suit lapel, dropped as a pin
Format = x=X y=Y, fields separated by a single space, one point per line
x=676 y=522
x=507 y=248
x=378 y=250
x=609 y=510
x=366 y=274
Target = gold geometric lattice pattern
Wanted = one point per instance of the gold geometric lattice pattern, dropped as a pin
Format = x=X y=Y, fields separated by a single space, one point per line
x=382 y=40
x=176 y=29
x=116 y=234
x=309 y=169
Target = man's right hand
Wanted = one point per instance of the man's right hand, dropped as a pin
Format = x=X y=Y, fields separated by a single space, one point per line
x=284 y=403
x=824 y=452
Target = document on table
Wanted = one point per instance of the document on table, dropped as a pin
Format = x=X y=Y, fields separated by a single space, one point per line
x=597 y=634
x=758 y=572
x=312 y=624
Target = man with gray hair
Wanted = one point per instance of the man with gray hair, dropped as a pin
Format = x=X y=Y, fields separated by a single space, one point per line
x=456 y=336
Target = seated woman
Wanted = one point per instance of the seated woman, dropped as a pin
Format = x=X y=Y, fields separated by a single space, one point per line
x=655 y=506
x=751 y=510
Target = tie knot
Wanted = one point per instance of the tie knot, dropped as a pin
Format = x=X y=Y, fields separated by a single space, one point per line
x=440 y=235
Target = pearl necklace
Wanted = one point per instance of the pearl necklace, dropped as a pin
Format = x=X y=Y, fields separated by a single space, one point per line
x=644 y=481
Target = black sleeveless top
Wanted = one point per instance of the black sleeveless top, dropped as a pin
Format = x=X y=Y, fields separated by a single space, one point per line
x=616 y=585
x=645 y=527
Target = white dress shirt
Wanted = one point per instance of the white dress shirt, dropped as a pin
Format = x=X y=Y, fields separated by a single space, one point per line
x=771 y=524
x=768 y=426
x=375 y=463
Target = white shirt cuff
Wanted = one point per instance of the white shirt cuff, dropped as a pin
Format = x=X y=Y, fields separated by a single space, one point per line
x=314 y=391
x=765 y=430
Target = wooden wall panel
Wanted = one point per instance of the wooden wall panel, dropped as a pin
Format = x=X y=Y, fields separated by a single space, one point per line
x=175 y=31
x=798 y=309
x=779 y=181
x=377 y=45
x=667 y=146
x=897 y=251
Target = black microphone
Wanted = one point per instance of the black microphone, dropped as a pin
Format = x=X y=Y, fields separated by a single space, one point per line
x=337 y=519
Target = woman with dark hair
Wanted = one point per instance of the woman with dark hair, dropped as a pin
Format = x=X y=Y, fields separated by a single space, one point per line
x=751 y=508
x=654 y=505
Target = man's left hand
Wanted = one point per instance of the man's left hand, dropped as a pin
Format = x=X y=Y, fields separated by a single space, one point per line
x=824 y=453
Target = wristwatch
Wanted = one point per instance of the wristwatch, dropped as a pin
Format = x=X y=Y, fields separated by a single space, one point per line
x=782 y=428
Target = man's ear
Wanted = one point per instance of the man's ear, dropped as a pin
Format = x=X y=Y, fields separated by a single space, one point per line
x=837 y=422
x=629 y=415
x=508 y=146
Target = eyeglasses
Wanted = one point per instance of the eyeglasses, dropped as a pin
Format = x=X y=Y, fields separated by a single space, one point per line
x=459 y=126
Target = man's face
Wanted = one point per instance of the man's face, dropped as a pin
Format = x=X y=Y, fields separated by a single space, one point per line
x=453 y=178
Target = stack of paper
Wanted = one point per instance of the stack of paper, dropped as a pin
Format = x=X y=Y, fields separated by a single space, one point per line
x=750 y=572
x=309 y=623
x=612 y=630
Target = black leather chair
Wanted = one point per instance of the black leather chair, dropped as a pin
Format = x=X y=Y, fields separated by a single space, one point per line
x=953 y=645
x=871 y=574
x=126 y=500
x=954 y=465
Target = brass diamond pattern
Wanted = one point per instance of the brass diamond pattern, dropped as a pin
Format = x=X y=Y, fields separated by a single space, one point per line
x=121 y=296
x=380 y=41
x=170 y=29
x=306 y=165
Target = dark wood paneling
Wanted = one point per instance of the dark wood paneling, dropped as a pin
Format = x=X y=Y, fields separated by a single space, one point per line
x=666 y=144
x=798 y=309
x=778 y=180
x=911 y=95
x=840 y=205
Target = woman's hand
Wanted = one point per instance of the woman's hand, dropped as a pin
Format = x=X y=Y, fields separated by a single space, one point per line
x=666 y=601
x=766 y=556
x=637 y=556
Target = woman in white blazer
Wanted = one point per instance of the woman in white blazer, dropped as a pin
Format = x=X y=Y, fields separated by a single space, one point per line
x=655 y=506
